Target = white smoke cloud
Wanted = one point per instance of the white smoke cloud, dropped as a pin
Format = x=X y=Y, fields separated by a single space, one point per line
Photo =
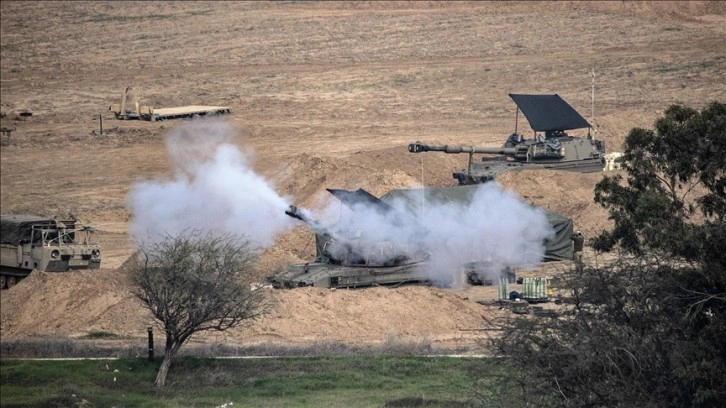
x=495 y=226
x=213 y=189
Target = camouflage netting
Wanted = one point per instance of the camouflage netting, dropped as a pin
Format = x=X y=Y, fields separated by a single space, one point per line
x=557 y=248
x=15 y=229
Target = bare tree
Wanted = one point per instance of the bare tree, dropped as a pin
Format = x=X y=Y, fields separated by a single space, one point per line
x=195 y=281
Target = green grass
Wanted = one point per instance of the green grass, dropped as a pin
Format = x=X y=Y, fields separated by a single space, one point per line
x=349 y=381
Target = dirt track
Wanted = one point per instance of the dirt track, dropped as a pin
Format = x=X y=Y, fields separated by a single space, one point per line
x=327 y=95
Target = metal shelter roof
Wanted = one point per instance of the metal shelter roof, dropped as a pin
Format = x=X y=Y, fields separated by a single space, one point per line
x=549 y=112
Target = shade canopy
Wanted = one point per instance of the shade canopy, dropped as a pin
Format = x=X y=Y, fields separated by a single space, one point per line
x=549 y=112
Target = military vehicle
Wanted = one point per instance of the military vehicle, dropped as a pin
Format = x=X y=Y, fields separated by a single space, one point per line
x=550 y=117
x=51 y=245
x=344 y=259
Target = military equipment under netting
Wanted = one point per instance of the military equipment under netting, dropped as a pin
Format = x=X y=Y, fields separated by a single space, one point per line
x=558 y=247
x=343 y=260
x=551 y=148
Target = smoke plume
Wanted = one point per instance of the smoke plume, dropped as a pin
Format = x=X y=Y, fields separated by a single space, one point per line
x=213 y=189
x=496 y=227
x=493 y=226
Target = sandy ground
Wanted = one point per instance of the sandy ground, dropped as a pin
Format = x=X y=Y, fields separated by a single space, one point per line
x=327 y=95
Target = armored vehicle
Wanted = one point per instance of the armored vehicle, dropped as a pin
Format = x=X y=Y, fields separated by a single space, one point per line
x=344 y=259
x=51 y=245
x=551 y=147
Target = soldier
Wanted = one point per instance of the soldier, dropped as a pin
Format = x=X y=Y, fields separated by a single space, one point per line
x=578 y=241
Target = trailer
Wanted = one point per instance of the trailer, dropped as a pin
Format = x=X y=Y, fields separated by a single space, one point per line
x=125 y=111
x=187 y=112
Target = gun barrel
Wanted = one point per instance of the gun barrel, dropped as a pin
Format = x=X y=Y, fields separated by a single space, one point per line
x=294 y=213
x=419 y=147
x=302 y=215
x=315 y=225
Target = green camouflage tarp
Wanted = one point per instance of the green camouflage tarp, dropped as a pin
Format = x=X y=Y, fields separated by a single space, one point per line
x=557 y=248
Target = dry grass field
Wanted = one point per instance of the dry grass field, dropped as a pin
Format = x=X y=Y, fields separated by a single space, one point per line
x=323 y=95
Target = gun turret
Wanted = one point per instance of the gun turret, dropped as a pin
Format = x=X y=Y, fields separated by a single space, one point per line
x=336 y=249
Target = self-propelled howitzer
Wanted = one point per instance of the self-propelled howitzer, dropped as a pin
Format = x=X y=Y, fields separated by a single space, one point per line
x=551 y=147
x=345 y=260
x=559 y=153
x=334 y=248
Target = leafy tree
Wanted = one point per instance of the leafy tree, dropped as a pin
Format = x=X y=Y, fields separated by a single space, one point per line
x=649 y=328
x=194 y=282
x=676 y=178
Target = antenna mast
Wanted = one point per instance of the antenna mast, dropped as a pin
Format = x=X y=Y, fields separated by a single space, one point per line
x=592 y=102
x=423 y=191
